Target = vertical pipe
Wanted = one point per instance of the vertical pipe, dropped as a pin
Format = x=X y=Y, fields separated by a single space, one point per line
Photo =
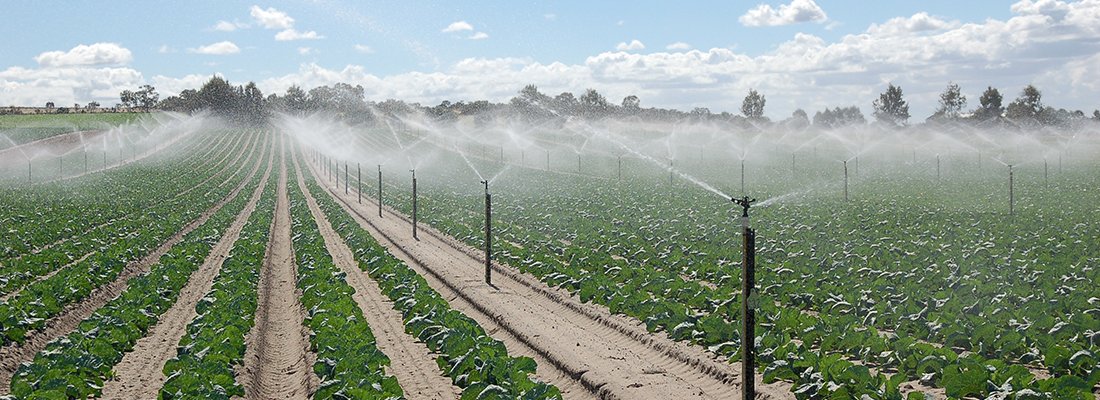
x=845 y=180
x=347 y=182
x=578 y=163
x=60 y=162
x=501 y=153
x=105 y=159
x=359 y=181
x=28 y=170
x=488 y=235
x=979 y=161
x=414 y=205
x=85 y=160
x=548 y=159
x=1046 y=172
x=671 y=164
x=620 y=168
x=379 y=190
x=937 y=167
x=742 y=177
x=792 y=164
x=1011 y=200
x=522 y=158
x=748 y=313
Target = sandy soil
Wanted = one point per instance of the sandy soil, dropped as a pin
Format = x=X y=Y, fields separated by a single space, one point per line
x=278 y=363
x=410 y=360
x=12 y=356
x=588 y=352
x=140 y=373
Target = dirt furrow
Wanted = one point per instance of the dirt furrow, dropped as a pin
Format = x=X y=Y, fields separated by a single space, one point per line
x=410 y=360
x=609 y=355
x=140 y=373
x=13 y=355
x=278 y=363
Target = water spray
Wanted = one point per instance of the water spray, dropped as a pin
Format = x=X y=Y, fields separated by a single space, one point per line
x=379 y=190
x=620 y=167
x=488 y=234
x=414 y=204
x=748 y=300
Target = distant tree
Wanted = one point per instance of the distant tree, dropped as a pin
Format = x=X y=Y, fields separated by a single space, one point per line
x=1028 y=106
x=92 y=105
x=700 y=112
x=295 y=100
x=218 y=96
x=532 y=104
x=839 y=117
x=798 y=120
x=128 y=98
x=952 y=102
x=753 y=105
x=253 y=103
x=146 y=97
x=49 y=105
x=566 y=103
x=1096 y=115
x=593 y=104
x=890 y=107
x=631 y=104
x=990 y=105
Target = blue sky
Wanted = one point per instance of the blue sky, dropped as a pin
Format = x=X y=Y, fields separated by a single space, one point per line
x=799 y=53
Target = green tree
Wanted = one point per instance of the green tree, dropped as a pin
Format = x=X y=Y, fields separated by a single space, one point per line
x=631 y=104
x=146 y=97
x=753 y=105
x=890 y=107
x=593 y=104
x=295 y=100
x=952 y=102
x=991 y=105
x=1028 y=106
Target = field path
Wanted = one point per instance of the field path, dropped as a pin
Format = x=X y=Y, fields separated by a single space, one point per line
x=13 y=355
x=411 y=361
x=278 y=363
x=140 y=373
x=581 y=348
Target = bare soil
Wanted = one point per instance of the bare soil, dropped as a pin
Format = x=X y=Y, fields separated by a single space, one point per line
x=581 y=348
x=140 y=373
x=278 y=363
x=410 y=360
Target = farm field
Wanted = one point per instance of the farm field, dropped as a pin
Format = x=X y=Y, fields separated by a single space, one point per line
x=204 y=261
x=20 y=129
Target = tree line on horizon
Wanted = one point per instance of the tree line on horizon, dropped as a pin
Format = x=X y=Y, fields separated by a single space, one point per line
x=247 y=104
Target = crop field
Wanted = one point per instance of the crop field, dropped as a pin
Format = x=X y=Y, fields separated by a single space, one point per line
x=176 y=257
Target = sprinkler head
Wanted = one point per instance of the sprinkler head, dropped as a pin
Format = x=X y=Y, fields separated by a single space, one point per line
x=486 y=182
x=744 y=202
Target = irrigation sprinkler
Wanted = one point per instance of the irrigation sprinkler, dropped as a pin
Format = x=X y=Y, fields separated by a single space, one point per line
x=488 y=234
x=579 y=163
x=346 y=177
x=379 y=190
x=1011 y=199
x=359 y=181
x=937 y=167
x=28 y=170
x=104 y=158
x=793 y=172
x=522 y=158
x=1046 y=172
x=742 y=176
x=671 y=164
x=748 y=300
x=85 y=159
x=979 y=160
x=414 y=203
x=620 y=167
x=547 y=159
x=1059 y=163
x=60 y=162
x=845 y=180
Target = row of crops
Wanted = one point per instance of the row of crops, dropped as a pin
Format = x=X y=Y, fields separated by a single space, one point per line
x=19 y=129
x=916 y=280
x=76 y=365
x=51 y=287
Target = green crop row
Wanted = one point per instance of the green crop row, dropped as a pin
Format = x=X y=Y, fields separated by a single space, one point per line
x=215 y=340
x=466 y=353
x=44 y=299
x=349 y=362
x=76 y=365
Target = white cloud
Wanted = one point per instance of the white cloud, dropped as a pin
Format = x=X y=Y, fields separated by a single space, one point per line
x=458 y=26
x=795 y=12
x=226 y=26
x=66 y=85
x=271 y=18
x=362 y=48
x=678 y=46
x=633 y=45
x=306 y=50
x=86 y=55
x=219 y=48
x=294 y=34
x=164 y=49
x=479 y=36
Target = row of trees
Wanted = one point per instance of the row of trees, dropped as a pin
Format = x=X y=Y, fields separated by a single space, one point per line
x=247 y=104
